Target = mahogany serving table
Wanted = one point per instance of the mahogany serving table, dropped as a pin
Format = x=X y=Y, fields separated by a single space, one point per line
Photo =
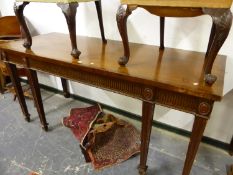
x=170 y=77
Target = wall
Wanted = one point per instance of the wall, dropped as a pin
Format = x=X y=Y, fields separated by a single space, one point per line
x=188 y=34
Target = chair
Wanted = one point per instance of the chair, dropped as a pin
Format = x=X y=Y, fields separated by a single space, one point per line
x=10 y=30
x=219 y=10
x=68 y=8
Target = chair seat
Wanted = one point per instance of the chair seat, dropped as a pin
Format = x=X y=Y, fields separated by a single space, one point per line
x=181 y=3
x=55 y=1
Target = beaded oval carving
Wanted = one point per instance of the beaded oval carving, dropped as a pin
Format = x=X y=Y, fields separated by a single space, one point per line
x=148 y=94
x=204 y=108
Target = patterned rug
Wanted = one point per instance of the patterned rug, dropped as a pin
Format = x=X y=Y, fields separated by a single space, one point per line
x=104 y=139
x=34 y=173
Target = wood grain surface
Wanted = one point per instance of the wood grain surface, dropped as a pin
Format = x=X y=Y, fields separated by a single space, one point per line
x=172 y=69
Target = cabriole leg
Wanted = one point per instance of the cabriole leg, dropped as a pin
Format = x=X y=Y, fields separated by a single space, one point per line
x=69 y=10
x=18 y=89
x=122 y=16
x=19 y=8
x=222 y=21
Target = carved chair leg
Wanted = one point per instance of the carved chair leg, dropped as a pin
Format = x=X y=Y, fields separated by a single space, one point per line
x=122 y=16
x=222 y=21
x=34 y=85
x=66 y=92
x=69 y=10
x=147 y=119
x=100 y=17
x=19 y=8
x=213 y=30
x=18 y=89
x=162 y=24
x=196 y=136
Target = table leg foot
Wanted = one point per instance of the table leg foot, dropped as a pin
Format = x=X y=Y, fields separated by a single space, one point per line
x=142 y=171
x=100 y=17
x=27 y=118
x=19 y=8
x=122 y=16
x=222 y=21
x=45 y=128
x=69 y=10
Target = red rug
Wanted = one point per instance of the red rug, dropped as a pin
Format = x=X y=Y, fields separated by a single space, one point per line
x=105 y=139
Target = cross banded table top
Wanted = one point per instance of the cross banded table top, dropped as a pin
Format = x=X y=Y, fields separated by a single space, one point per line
x=172 y=69
x=181 y=3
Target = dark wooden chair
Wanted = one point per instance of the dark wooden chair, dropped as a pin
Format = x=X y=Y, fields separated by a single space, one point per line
x=218 y=10
x=69 y=8
x=10 y=30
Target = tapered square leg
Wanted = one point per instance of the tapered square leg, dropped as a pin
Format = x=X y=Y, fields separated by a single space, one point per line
x=66 y=92
x=147 y=119
x=33 y=80
x=18 y=89
x=196 y=136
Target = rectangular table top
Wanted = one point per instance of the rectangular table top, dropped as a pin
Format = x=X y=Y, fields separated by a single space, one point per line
x=171 y=69
x=181 y=3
